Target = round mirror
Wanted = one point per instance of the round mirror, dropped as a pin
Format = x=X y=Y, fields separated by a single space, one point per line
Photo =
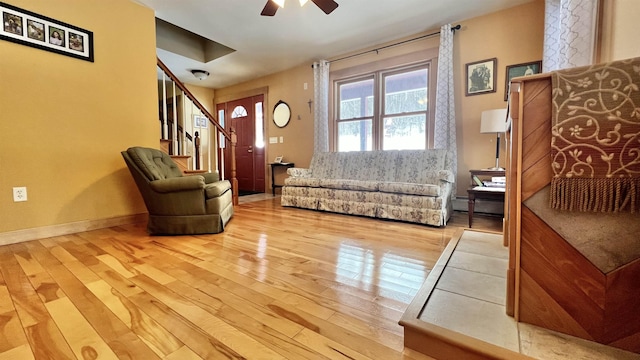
x=281 y=114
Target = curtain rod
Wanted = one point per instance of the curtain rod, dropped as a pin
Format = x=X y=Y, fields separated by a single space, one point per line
x=457 y=27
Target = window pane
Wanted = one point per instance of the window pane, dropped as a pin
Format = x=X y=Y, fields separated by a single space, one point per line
x=355 y=135
x=239 y=111
x=356 y=99
x=221 y=120
x=406 y=92
x=259 y=122
x=405 y=133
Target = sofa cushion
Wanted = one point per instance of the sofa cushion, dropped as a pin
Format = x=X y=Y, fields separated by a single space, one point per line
x=409 y=188
x=303 y=181
x=347 y=184
x=414 y=166
x=325 y=165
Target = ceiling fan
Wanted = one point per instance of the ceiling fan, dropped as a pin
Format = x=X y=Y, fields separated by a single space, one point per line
x=272 y=6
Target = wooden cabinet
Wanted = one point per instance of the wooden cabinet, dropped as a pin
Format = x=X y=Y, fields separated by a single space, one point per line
x=553 y=279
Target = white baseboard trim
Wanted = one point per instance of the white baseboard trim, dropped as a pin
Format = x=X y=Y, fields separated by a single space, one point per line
x=13 y=237
x=461 y=203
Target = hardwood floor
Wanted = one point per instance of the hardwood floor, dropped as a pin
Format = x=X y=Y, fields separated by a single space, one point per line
x=279 y=283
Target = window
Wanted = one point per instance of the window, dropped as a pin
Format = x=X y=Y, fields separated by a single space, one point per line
x=259 y=124
x=355 y=124
x=384 y=110
x=238 y=112
x=221 y=120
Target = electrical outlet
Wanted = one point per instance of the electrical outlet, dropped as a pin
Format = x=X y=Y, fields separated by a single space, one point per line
x=19 y=194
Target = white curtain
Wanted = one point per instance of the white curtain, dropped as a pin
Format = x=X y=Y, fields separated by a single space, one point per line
x=445 y=121
x=321 y=106
x=569 y=33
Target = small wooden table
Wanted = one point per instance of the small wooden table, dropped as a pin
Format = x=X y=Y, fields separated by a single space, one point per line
x=486 y=193
x=273 y=179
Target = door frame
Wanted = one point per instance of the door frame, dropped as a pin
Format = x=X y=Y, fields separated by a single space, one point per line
x=264 y=91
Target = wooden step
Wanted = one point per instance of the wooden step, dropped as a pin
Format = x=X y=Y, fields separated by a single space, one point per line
x=164 y=145
x=182 y=161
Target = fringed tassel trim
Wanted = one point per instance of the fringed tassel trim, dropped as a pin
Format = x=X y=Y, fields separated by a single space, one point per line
x=596 y=195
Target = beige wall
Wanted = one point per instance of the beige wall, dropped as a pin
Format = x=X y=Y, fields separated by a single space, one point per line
x=620 y=30
x=64 y=121
x=512 y=36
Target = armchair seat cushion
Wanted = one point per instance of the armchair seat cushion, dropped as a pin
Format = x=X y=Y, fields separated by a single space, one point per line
x=217 y=188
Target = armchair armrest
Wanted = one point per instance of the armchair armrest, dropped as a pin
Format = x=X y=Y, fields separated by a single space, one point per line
x=211 y=177
x=299 y=172
x=184 y=183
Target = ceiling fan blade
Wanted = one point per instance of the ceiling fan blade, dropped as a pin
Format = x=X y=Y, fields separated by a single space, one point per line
x=269 y=9
x=326 y=5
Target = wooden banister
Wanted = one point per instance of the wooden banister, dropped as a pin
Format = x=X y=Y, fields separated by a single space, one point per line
x=195 y=101
x=231 y=137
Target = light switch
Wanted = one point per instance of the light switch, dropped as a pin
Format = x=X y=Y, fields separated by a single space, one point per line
x=281 y=139
x=273 y=140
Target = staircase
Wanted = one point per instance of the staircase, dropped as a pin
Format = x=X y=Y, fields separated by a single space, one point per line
x=190 y=134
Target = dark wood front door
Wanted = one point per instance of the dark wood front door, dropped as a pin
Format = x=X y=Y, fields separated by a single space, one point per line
x=246 y=117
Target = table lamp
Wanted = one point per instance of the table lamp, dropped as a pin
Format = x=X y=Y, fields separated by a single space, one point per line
x=494 y=121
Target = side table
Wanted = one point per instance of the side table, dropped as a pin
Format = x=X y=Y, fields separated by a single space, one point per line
x=273 y=179
x=480 y=192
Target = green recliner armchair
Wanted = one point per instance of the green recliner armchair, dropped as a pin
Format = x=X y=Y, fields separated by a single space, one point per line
x=177 y=204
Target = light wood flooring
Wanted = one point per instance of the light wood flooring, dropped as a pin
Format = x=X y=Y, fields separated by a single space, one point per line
x=279 y=283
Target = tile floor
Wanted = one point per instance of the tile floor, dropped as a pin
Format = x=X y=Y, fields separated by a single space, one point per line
x=469 y=298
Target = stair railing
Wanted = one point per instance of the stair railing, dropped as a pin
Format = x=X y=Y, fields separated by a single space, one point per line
x=174 y=128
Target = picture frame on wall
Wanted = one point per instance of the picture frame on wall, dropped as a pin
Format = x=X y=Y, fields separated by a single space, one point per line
x=28 y=28
x=524 y=69
x=200 y=121
x=481 y=77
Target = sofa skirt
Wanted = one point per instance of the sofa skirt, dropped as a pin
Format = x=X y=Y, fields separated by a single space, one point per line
x=410 y=208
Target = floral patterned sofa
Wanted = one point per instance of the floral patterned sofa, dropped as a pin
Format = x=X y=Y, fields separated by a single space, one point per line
x=406 y=185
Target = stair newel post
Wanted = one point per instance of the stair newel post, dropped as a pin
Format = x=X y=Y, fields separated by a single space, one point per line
x=196 y=142
x=234 y=179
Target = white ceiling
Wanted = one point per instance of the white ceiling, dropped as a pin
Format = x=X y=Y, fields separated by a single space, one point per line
x=295 y=35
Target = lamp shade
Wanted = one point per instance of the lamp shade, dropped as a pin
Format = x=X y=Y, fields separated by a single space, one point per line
x=493 y=121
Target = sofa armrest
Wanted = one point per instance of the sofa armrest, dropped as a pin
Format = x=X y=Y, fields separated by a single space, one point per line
x=299 y=172
x=446 y=175
x=176 y=184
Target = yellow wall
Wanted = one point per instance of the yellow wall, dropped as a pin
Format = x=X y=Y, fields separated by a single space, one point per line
x=512 y=36
x=64 y=121
x=620 y=30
